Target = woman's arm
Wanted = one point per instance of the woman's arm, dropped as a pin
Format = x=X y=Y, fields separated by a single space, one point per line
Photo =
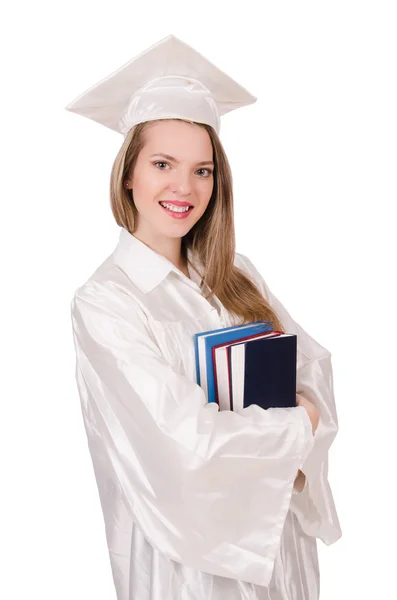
x=209 y=489
x=313 y=503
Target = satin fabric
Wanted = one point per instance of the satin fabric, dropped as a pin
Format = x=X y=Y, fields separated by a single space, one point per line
x=168 y=80
x=197 y=504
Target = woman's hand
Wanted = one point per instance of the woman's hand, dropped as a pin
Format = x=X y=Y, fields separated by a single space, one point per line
x=311 y=410
x=314 y=418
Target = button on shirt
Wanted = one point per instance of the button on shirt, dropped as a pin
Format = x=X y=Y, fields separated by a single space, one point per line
x=198 y=504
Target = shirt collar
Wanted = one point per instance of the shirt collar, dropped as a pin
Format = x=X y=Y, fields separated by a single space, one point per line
x=145 y=267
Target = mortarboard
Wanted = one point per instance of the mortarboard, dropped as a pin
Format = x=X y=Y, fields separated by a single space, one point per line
x=168 y=80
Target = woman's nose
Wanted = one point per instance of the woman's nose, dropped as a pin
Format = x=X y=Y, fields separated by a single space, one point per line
x=182 y=183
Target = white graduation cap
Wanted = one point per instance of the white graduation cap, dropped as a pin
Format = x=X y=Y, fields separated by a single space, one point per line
x=168 y=80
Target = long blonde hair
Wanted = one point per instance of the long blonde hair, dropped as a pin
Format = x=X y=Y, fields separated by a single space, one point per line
x=236 y=291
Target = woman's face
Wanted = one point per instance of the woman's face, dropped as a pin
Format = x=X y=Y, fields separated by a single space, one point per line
x=175 y=164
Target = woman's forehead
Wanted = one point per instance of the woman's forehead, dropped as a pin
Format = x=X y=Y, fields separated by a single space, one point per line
x=175 y=139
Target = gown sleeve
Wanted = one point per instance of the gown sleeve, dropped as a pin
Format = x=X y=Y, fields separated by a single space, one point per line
x=313 y=504
x=209 y=489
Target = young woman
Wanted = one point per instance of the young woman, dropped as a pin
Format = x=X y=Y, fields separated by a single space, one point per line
x=198 y=503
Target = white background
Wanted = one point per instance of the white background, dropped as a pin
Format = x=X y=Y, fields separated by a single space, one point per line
x=314 y=167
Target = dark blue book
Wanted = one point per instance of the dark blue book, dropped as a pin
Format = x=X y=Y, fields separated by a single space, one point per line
x=262 y=371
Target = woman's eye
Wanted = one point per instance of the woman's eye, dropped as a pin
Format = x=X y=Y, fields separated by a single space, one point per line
x=208 y=171
x=160 y=163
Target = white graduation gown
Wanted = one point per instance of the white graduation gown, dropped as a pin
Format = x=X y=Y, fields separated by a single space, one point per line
x=198 y=504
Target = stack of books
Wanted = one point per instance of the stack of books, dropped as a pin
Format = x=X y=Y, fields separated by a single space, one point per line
x=247 y=364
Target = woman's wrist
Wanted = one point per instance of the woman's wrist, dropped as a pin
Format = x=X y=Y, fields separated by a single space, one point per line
x=300 y=481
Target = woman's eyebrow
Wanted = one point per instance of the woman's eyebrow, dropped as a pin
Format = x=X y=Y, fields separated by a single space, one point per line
x=168 y=157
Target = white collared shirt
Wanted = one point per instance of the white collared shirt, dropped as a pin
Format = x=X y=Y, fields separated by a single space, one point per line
x=198 y=504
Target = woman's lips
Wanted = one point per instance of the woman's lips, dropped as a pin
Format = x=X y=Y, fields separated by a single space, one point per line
x=176 y=215
x=176 y=202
